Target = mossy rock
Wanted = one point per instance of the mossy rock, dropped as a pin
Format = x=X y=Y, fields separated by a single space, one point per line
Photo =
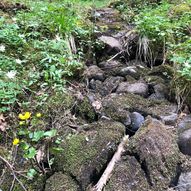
x=60 y=182
x=85 y=110
x=164 y=71
x=59 y=101
x=86 y=154
x=113 y=104
x=157 y=150
x=128 y=175
x=181 y=9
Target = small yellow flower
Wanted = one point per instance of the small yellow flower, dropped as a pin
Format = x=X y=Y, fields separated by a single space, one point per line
x=38 y=115
x=16 y=141
x=26 y=116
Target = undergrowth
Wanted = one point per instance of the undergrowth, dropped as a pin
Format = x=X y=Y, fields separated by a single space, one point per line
x=165 y=29
x=41 y=49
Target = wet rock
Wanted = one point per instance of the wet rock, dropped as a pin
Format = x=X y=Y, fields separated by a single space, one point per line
x=136 y=120
x=139 y=88
x=131 y=102
x=184 y=182
x=184 y=142
x=170 y=119
x=128 y=175
x=112 y=44
x=107 y=87
x=110 y=85
x=60 y=182
x=156 y=149
x=184 y=134
x=111 y=68
x=160 y=92
x=95 y=84
x=184 y=123
x=113 y=64
x=130 y=70
x=94 y=72
x=85 y=154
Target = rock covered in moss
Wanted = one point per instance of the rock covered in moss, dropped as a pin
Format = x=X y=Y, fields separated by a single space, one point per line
x=60 y=182
x=94 y=72
x=85 y=154
x=85 y=109
x=114 y=103
x=128 y=175
x=157 y=150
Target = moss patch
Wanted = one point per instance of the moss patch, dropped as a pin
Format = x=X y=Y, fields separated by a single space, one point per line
x=85 y=154
x=131 y=102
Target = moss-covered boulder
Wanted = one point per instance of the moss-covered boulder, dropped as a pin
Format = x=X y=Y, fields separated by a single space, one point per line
x=114 y=106
x=85 y=110
x=60 y=182
x=86 y=154
x=128 y=175
x=157 y=151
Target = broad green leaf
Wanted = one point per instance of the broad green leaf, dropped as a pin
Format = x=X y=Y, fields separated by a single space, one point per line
x=31 y=153
x=50 y=133
x=31 y=173
x=37 y=135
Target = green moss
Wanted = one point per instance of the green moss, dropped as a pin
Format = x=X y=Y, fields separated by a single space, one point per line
x=87 y=152
x=76 y=152
x=86 y=110
x=115 y=106
x=60 y=100
x=60 y=182
x=181 y=9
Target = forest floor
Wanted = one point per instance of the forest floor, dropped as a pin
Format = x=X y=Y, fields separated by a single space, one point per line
x=68 y=100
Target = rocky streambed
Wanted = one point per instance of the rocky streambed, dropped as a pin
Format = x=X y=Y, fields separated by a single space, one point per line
x=120 y=95
x=123 y=95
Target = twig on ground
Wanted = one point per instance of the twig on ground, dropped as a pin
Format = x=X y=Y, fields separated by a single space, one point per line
x=13 y=173
x=107 y=173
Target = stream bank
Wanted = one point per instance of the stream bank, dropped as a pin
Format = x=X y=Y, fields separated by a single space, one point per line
x=119 y=94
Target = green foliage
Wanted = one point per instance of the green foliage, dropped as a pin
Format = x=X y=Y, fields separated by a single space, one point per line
x=167 y=25
x=36 y=46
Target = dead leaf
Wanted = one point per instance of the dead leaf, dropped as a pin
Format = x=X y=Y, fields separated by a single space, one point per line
x=3 y=123
x=40 y=154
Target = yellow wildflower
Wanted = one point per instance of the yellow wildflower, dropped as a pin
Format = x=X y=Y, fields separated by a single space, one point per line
x=26 y=116
x=38 y=115
x=16 y=141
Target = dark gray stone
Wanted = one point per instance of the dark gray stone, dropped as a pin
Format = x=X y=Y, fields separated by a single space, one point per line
x=170 y=119
x=136 y=120
x=110 y=85
x=109 y=64
x=161 y=91
x=94 y=72
x=139 y=88
x=184 y=142
x=128 y=71
x=184 y=123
